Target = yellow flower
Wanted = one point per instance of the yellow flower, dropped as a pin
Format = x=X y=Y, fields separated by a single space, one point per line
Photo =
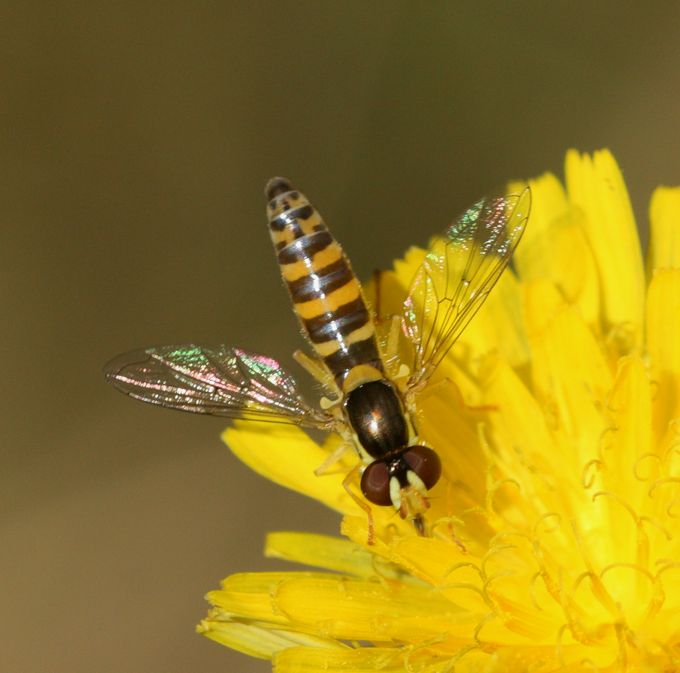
x=555 y=542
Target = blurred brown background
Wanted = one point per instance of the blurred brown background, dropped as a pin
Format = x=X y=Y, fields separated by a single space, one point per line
x=135 y=142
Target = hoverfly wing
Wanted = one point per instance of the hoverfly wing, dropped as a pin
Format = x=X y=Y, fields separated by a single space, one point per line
x=215 y=380
x=456 y=276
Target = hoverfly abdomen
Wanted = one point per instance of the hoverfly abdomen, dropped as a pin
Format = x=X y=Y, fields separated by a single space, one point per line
x=326 y=294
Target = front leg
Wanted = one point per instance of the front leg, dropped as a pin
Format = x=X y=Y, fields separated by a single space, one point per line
x=355 y=472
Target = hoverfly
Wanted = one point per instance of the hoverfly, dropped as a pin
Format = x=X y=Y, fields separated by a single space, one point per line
x=369 y=403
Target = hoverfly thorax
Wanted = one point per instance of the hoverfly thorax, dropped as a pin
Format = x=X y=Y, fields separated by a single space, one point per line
x=376 y=415
x=372 y=412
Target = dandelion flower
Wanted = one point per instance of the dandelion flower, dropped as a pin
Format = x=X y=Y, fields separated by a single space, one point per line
x=554 y=540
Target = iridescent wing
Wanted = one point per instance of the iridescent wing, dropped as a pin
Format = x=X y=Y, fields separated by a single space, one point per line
x=457 y=275
x=215 y=380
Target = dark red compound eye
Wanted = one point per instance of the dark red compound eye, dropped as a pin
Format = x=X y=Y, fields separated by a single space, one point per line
x=425 y=463
x=375 y=483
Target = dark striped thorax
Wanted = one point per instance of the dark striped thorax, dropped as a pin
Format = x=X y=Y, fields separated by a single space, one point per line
x=326 y=294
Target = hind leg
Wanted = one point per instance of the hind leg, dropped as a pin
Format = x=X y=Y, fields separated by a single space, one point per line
x=318 y=371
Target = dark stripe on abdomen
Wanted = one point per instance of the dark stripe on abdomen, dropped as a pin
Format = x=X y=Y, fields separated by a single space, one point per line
x=332 y=326
x=321 y=282
x=314 y=324
x=305 y=247
x=360 y=353
x=288 y=217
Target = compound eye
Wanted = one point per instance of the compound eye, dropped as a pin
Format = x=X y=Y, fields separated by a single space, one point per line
x=425 y=463
x=375 y=483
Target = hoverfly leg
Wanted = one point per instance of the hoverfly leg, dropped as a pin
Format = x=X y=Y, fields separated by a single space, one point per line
x=390 y=337
x=333 y=458
x=392 y=347
x=377 y=293
x=419 y=525
x=318 y=371
x=346 y=484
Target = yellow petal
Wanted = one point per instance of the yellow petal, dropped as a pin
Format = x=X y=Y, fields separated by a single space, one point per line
x=528 y=452
x=596 y=185
x=322 y=551
x=387 y=291
x=630 y=406
x=664 y=238
x=570 y=374
x=262 y=641
x=287 y=456
x=338 y=607
x=555 y=247
x=251 y=595
x=359 y=660
x=498 y=326
x=663 y=344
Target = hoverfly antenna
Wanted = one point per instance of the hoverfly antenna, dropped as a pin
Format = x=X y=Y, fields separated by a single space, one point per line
x=277 y=186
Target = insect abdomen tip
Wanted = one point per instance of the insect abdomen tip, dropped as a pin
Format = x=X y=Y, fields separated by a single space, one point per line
x=277 y=186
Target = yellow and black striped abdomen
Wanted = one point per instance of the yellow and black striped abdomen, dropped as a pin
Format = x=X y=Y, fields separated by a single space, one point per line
x=325 y=292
